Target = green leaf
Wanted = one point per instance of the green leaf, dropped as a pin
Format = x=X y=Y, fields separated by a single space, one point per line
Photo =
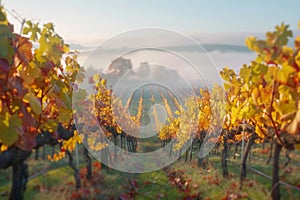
x=29 y=23
x=2 y=15
x=283 y=33
x=80 y=77
x=67 y=99
x=9 y=128
x=50 y=125
x=33 y=29
x=25 y=30
x=54 y=54
x=244 y=73
x=64 y=116
x=49 y=26
x=260 y=69
x=5 y=31
x=4 y=46
x=6 y=49
x=78 y=97
x=34 y=102
x=34 y=71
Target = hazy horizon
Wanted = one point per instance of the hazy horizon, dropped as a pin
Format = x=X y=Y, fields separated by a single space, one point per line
x=92 y=22
x=220 y=27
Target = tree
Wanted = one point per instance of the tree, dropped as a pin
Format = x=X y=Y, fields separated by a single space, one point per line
x=35 y=94
x=270 y=87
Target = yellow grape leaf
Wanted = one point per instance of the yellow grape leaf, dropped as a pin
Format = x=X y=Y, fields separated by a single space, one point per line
x=244 y=111
x=34 y=103
x=3 y=147
x=119 y=130
x=249 y=42
x=70 y=144
x=259 y=132
x=69 y=67
x=262 y=120
x=255 y=95
x=275 y=116
x=282 y=76
x=287 y=69
x=294 y=126
x=66 y=49
x=103 y=82
x=15 y=107
x=297 y=58
x=258 y=141
x=68 y=61
x=285 y=108
x=287 y=52
x=57 y=156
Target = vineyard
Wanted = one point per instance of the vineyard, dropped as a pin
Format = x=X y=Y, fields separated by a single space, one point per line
x=58 y=140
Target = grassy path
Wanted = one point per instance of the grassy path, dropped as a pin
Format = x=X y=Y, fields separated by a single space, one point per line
x=181 y=180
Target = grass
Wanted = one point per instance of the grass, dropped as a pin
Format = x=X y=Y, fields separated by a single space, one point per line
x=207 y=183
x=155 y=185
x=212 y=185
x=50 y=185
x=35 y=166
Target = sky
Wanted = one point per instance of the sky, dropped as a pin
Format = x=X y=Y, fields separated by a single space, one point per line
x=88 y=21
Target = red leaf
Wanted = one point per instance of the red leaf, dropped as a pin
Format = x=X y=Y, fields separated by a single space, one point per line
x=133 y=183
x=23 y=54
x=17 y=83
x=47 y=68
x=125 y=197
x=147 y=182
x=75 y=87
x=26 y=141
x=91 y=80
x=27 y=119
x=4 y=66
